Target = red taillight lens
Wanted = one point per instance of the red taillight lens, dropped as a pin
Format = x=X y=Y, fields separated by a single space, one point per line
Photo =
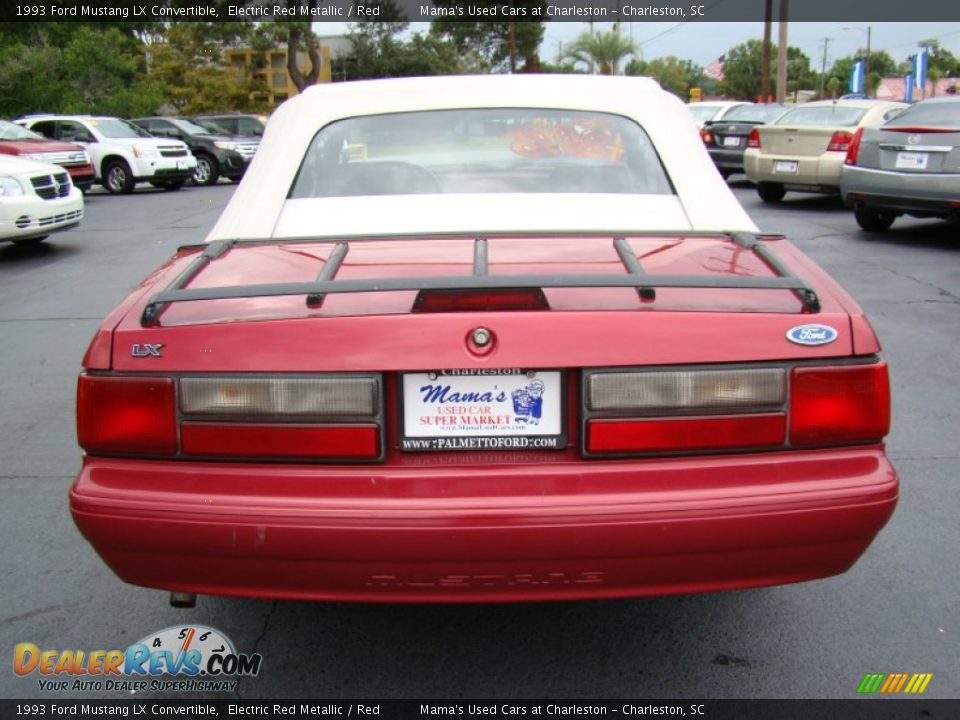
x=480 y=300
x=234 y=440
x=126 y=415
x=753 y=141
x=679 y=434
x=839 y=404
x=854 y=148
x=706 y=137
x=840 y=141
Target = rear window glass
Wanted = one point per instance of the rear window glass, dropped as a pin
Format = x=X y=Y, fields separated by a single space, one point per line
x=481 y=151
x=702 y=113
x=936 y=114
x=823 y=115
x=754 y=113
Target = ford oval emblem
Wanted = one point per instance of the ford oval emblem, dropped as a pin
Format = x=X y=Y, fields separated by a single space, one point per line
x=812 y=334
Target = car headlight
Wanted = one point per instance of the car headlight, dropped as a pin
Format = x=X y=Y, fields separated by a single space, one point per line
x=9 y=187
x=142 y=150
x=225 y=144
x=86 y=158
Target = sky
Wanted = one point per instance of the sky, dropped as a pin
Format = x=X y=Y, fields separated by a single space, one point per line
x=703 y=42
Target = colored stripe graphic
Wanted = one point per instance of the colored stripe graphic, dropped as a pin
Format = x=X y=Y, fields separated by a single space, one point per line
x=894 y=683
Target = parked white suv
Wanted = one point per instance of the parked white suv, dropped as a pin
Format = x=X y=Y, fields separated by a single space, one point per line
x=36 y=199
x=122 y=153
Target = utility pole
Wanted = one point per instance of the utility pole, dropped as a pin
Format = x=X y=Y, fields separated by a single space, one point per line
x=823 y=65
x=782 y=52
x=765 y=62
x=866 y=66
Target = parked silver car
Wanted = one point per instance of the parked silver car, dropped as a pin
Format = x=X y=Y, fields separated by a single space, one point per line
x=909 y=166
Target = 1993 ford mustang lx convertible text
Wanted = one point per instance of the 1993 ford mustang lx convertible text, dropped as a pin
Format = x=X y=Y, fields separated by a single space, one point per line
x=485 y=338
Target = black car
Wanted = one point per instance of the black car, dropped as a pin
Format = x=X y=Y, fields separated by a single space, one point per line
x=726 y=139
x=250 y=126
x=217 y=155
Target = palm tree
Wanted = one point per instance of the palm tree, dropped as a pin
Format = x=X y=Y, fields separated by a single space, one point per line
x=603 y=50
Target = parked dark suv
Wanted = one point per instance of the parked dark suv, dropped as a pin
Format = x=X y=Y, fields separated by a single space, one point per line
x=217 y=155
x=233 y=123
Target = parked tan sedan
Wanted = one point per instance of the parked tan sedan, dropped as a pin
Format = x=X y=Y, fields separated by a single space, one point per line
x=804 y=148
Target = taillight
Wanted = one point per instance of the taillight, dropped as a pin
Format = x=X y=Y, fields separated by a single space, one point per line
x=323 y=417
x=917 y=129
x=753 y=140
x=840 y=141
x=854 y=148
x=678 y=434
x=706 y=137
x=839 y=404
x=263 y=440
x=487 y=300
x=702 y=410
x=126 y=415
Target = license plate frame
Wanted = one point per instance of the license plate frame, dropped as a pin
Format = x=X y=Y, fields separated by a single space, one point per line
x=482 y=410
x=786 y=166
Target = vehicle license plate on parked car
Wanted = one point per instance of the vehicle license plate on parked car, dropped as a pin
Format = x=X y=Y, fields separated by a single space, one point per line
x=912 y=160
x=181 y=164
x=785 y=166
x=482 y=410
x=731 y=141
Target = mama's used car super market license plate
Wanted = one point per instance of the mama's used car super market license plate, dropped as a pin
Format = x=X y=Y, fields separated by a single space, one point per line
x=483 y=410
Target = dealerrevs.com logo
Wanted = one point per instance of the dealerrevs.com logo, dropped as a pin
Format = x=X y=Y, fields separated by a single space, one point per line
x=199 y=658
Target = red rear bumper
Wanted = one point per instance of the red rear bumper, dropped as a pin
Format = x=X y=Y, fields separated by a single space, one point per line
x=430 y=530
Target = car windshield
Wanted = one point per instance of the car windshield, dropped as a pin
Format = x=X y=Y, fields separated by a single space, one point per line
x=9 y=131
x=117 y=128
x=754 y=113
x=828 y=115
x=191 y=128
x=933 y=114
x=481 y=151
x=702 y=113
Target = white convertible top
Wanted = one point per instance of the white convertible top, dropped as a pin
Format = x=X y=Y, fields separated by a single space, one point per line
x=260 y=208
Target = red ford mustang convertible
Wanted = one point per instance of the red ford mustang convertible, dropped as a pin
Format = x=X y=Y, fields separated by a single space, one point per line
x=483 y=339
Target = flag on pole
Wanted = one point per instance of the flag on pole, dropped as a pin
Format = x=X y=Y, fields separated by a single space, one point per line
x=856 y=77
x=908 y=88
x=714 y=70
x=920 y=68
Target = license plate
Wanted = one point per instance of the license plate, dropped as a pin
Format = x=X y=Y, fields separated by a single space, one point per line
x=912 y=160
x=182 y=165
x=785 y=166
x=509 y=409
x=731 y=141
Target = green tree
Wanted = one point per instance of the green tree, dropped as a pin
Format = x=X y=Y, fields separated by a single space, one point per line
x=75 y=68
x=881 y=65
x=941 y=59
x=601 y=51
x=379 y=51
x=485 y=45
x=743 y=70
x=673 y=74
x=188 y=61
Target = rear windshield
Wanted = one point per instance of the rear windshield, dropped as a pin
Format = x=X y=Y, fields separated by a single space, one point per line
x=702 y=113
x=934 y=114
x=843 y=116
x=754 y=113
x=481 y=151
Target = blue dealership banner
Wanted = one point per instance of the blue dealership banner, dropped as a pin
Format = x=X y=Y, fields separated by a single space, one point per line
x=856 y=77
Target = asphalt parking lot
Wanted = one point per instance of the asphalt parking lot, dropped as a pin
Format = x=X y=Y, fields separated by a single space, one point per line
x=897 y=610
